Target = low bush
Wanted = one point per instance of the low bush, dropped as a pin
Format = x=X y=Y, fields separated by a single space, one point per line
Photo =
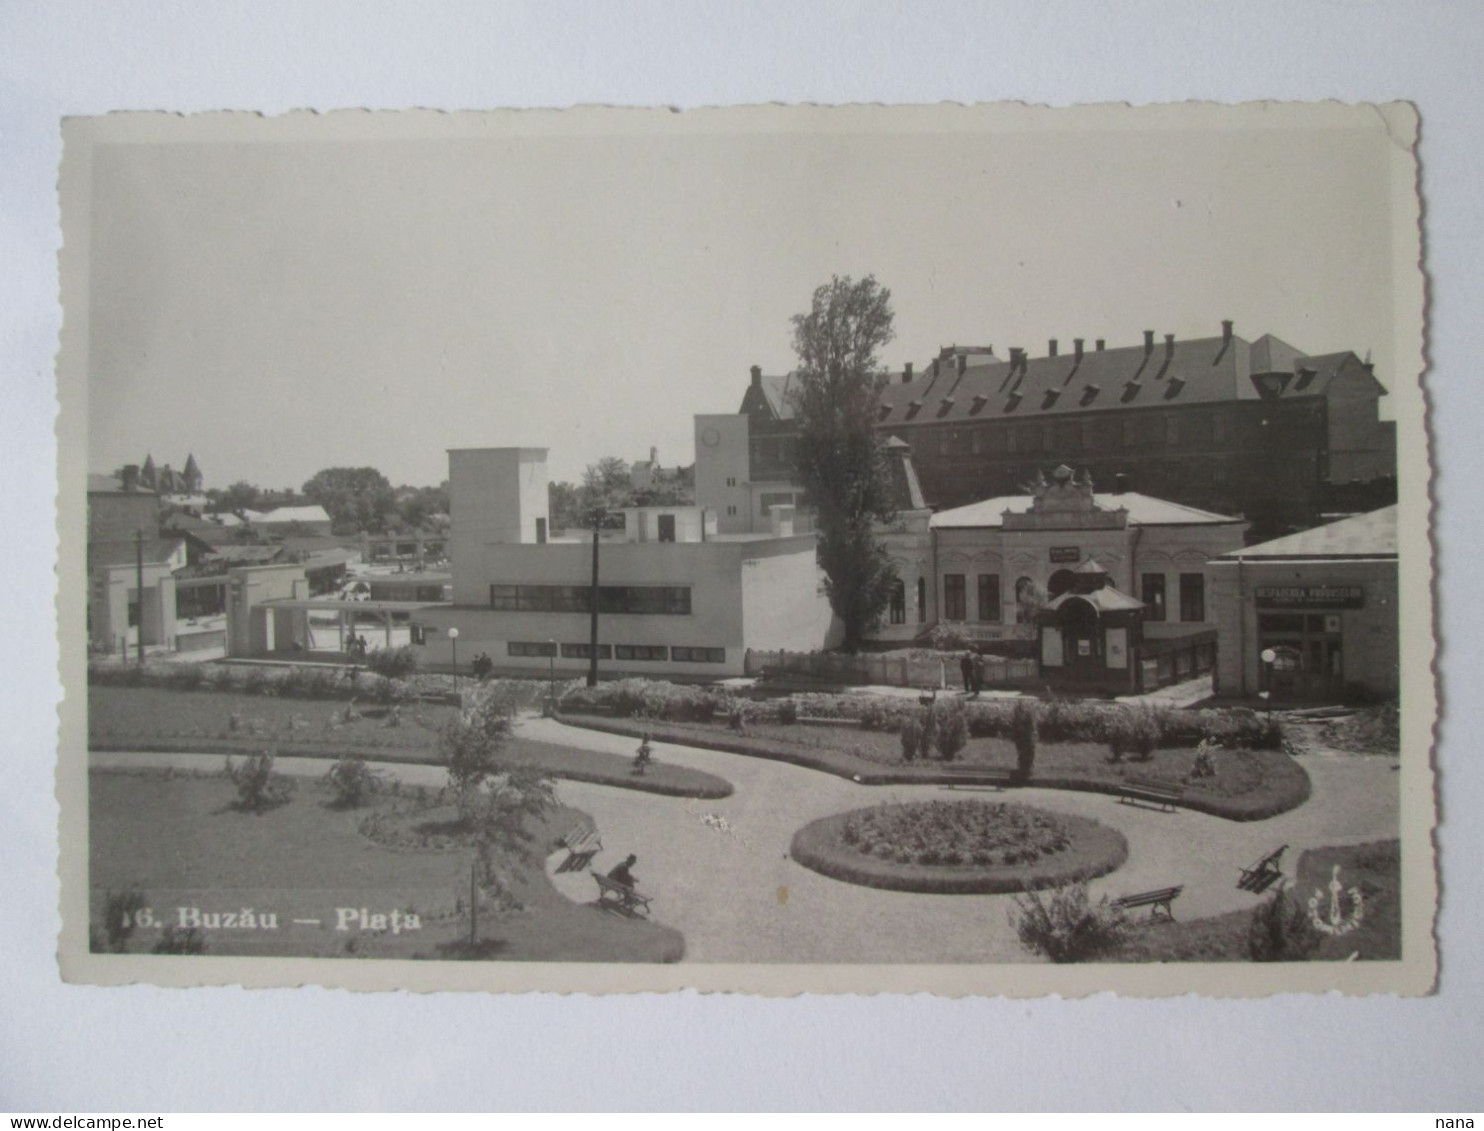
x=1023 y=732
x=1067 y=926
x=788 y=711
x=911 y=736
x=953 y=732
x=1280 y=931
x=354 y=781
x=259 y=786
x=393 y=663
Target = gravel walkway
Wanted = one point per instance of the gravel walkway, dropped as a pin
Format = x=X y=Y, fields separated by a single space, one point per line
x=719 y=870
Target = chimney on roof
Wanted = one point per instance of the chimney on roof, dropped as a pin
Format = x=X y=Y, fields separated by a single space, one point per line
x=935 y=367
x=907 y=374
x=757 y=375
x=1120 y=483
x=654 y=455
x=1148 y=342
x=1017 y=356
x=1169 y=346
x=1077 y=348
x=1051 y=347
x=1101 y=345
x=963 y=363
x=130 y=478
x=1226 y=331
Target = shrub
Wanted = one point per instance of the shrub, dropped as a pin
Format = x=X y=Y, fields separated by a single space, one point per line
x=1118 y=739
x=988 y=720
x=1023 y=724
x=174 y=940
x=949 y=638
x=1280 y=931
x=259 y=787
x=881 y=714
x=394 y=663
x=1205 y=762
x=323 y=683
x=1067 y=926
x=1143 y=733
x=953 y=733
x=354 y=781
x=788 y=711
x=256 y=682
x=927 y=723
x=737 y=715
x=911 y=736
x=294 y=683
x=185 y=677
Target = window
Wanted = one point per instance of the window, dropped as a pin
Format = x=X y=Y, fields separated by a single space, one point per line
x=731 y=480
x=585 y=651
x=668 y=600
x=1172 y=430
x=540 y=530
x=954 y=600
x=1154 y=596
x=989 y=596
x=945 y=442
x=898 y=614
x=1193 y=596
x=418 y=634
x=977 y=442
x=519 y=648
x=1130 y=432
x=731 y=510
x=641 y=652
x=134 y=610
x=698 y=655
x=922 y=600
x=1220 y=428
x=667 y=528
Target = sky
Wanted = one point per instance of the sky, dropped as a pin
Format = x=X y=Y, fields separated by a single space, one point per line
x=276 y=305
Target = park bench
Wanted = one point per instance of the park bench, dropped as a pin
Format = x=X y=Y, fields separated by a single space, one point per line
x=1165 y=794
x=1264 y=874
x=582 y=844
x=616 y=896
x=1154 y=900
x=967 y=774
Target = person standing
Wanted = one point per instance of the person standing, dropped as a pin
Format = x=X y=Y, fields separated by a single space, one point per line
x=966 y=669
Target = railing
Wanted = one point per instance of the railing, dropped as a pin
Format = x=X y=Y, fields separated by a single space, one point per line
x=1173 y=661
x=891 y=670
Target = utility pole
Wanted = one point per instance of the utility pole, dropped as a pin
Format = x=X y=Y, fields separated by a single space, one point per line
x=592 y=661
x=139 y=591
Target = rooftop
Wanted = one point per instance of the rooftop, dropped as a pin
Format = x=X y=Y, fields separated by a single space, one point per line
x=1143 y=510
x=1370 y=535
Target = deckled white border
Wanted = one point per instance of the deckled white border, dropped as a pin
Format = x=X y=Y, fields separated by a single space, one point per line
x=1413 y=974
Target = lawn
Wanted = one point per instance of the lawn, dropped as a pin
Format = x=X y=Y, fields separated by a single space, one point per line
x=177 y=839
x=1373 y=868
x=232 y=722
x=1249 y=784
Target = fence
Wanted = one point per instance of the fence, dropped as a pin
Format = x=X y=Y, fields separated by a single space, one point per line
x=889 y=669
x=1172 y=661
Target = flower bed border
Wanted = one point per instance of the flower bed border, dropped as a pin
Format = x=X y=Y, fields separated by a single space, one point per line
x=1099 y=848
x=864 y=772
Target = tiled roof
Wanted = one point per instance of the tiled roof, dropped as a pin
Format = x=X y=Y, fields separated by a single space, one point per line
x=776 y=390
x=314 y=513
x=1195 y=371
x=157 y=551
x=1370 y=535
x=1105 y=600
x=1143 y=510
x=246 y=555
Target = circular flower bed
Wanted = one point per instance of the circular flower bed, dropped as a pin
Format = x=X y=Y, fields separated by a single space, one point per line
x=958 y=847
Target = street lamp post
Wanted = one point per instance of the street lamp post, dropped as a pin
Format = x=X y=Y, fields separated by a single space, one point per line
x=1268 y=657
x=453 y=638
x=551 y=677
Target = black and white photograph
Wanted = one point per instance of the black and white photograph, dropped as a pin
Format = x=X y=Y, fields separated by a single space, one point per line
x=977 y=549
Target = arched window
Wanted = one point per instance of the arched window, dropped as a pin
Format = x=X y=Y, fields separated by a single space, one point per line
x=898 y=602
x=1059 y=582
x=922 y=600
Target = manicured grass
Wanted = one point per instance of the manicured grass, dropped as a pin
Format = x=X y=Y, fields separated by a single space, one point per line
x=1079 y=849
x=199 y=722
x=1373 y=868
x=176 y=838
x=1249 y=784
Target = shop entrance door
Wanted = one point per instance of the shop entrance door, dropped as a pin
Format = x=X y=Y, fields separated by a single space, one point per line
x=1310 y=655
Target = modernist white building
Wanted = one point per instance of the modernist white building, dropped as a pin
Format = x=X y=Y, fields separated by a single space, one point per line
x=678 y=595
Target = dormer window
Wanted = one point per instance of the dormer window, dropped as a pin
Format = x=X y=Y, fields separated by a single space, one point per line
x=977 y=404
x=1090 y=394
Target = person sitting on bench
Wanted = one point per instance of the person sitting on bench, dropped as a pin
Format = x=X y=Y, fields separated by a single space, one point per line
x=620 y=873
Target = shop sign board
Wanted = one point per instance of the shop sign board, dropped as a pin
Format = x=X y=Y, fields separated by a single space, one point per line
x=1310 y=596
x=1066 y=554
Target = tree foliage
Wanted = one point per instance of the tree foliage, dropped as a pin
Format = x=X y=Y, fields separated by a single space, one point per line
x=356 y=498
x=841 y=461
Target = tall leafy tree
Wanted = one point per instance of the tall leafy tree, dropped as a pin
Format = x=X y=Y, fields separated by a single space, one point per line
x=356 y=498
x=840 y=459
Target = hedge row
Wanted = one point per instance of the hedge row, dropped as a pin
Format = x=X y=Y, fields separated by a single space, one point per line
x=296 y=681
x=1095 y=851
x=1058 y=720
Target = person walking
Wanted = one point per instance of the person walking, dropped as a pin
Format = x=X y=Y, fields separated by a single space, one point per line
x=966 y=670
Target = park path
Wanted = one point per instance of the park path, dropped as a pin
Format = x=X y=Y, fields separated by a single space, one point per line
x=719 y=870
